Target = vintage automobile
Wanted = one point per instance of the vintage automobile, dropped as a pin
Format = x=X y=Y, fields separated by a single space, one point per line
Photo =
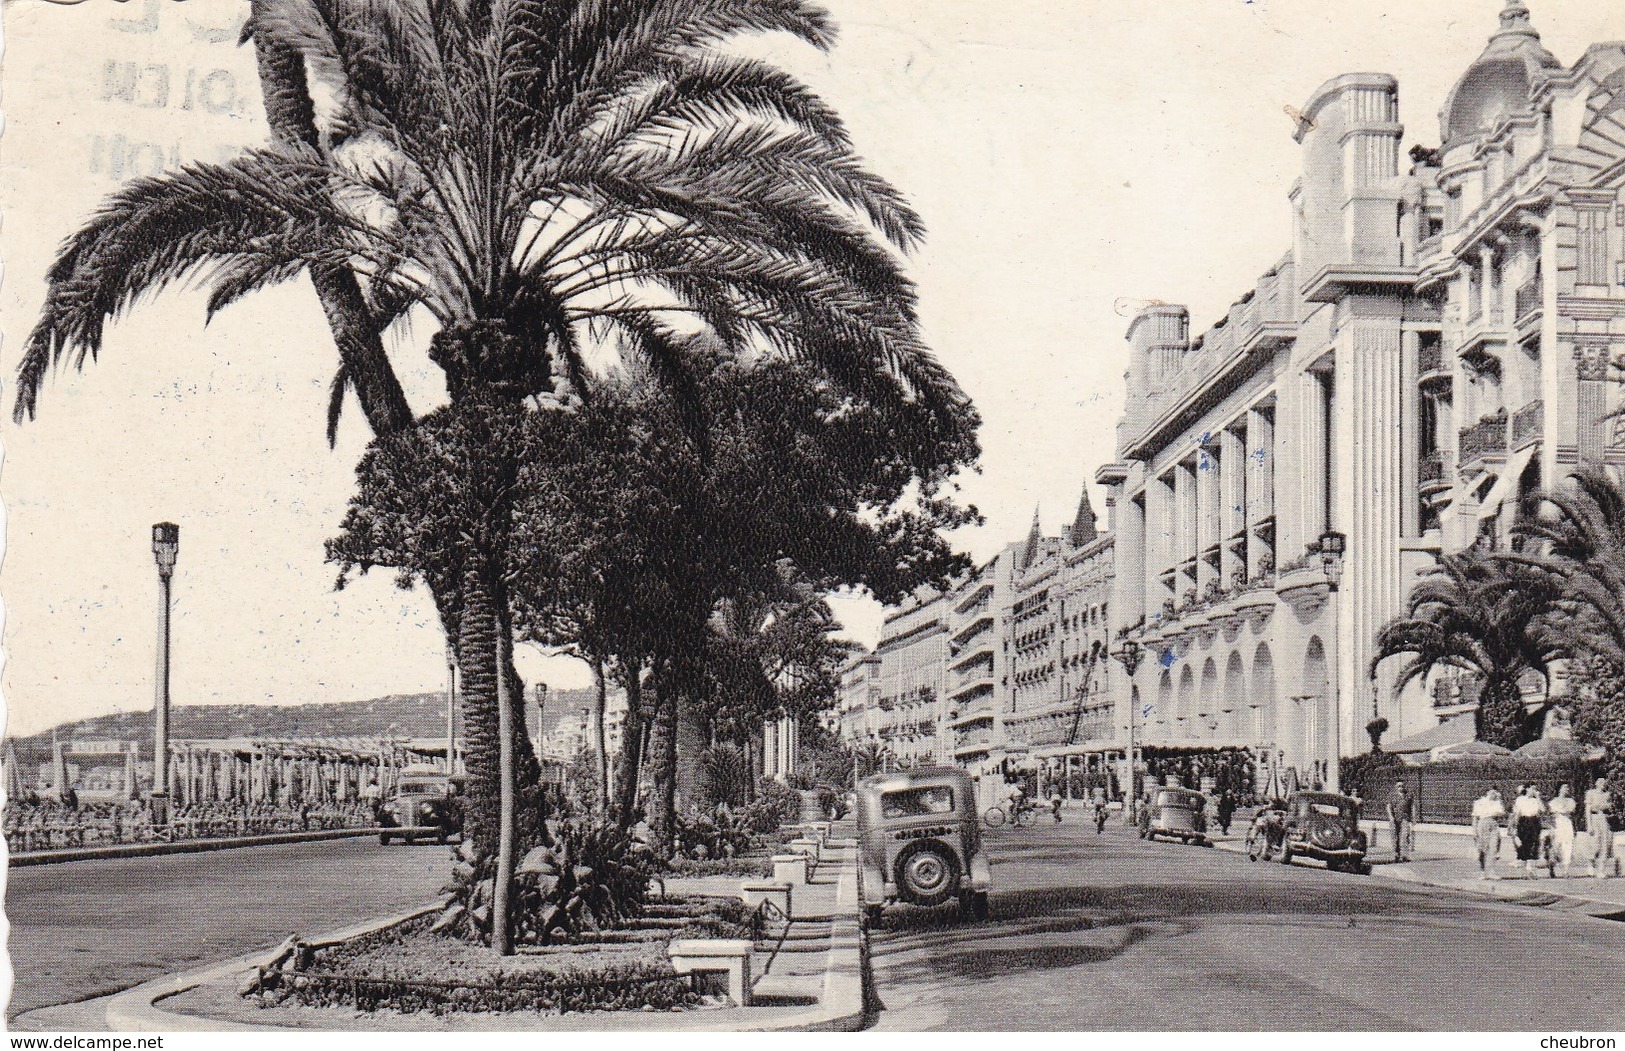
x=1325 y=826
x=919 y=842
x=426 y=804
x=1176 y=813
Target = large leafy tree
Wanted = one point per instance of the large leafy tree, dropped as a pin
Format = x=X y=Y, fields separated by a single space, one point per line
x=1483 y=613
x=701 y=561
x=530 y=174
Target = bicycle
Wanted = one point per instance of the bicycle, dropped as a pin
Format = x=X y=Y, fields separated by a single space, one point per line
x=1021 y=816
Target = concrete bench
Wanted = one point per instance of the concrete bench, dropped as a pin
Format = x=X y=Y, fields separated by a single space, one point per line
x=729 y=957
x=754 y=892
x=790 y=869
x=807 y=846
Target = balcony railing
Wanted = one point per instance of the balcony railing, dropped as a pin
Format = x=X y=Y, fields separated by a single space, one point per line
x=1529 y=298
x=1487 y=437
x=1527 y=421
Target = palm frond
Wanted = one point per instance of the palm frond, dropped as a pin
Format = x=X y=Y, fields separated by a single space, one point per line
x=266 y=205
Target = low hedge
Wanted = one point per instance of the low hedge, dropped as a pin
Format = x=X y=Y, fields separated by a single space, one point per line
x=630 y=988
x=743 y=867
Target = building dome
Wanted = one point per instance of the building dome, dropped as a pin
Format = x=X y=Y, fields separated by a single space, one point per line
x=1498 y=84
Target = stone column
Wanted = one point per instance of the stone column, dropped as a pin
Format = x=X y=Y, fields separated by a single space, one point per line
x=1232 y=504
x=1156 y=534
x=1591 y=373
x=1312 y=451
x=1260 y=483
x=1185 y=529
x=1209 y=466
x=1367 y=509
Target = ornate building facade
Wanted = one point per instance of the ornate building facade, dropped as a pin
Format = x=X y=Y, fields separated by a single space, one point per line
x=1438 y=342
x=1005 y=674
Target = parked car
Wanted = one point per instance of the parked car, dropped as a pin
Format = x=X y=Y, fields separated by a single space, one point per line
x=919 y=842
x=1325 y=826
x=1176 y=813
x=426 y=804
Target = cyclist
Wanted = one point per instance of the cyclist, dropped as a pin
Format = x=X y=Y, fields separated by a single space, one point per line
x=1018 y=802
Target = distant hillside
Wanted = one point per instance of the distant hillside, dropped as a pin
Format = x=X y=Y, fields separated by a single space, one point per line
x=404 y=714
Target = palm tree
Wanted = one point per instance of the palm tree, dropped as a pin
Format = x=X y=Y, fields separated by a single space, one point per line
x=533 y=175
x=1484 y=613
x=1579 y=537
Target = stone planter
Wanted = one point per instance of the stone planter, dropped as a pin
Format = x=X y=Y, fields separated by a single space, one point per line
x=754 y=892
x=725 y=957
x=790 y=869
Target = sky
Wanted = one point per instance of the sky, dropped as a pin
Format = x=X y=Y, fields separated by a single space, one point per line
x=1071 y=159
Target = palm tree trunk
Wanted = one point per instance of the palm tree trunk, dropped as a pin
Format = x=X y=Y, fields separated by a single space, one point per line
x=292 y=119
x=663 y=759
x=477 y=653
x=501 y=930
x=626 y=787
x=690 y=779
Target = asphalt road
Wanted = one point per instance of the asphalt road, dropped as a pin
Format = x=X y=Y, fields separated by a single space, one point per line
x=88 y=928
x=1110 y=933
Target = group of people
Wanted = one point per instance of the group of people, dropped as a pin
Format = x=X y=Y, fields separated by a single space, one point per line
x=1544 y=833
x=50 y=824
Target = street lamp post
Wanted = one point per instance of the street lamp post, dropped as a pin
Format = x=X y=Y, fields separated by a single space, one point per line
x=451 y=710
x=166 y=545
x=1129 y=655
x=1333 y=545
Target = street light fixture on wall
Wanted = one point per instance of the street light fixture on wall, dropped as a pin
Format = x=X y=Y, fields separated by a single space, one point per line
x=1129 y=655
x=1333 y=545
x=166 y=546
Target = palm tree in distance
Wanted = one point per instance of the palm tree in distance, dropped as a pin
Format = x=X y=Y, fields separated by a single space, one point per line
x=1483 y=613
x=534 y=175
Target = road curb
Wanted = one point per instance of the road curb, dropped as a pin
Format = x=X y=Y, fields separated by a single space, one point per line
x=185 y=846
x=842 y=1003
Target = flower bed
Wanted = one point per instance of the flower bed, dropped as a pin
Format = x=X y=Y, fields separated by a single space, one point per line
x=409 y=968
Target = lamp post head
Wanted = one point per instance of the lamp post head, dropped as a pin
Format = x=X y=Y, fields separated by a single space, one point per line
x=166 y=545
x=1129 y=655
x=1333 y=545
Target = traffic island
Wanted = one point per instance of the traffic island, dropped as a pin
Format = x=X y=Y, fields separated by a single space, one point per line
x=806 y=974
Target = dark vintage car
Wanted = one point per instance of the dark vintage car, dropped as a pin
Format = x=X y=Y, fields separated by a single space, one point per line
x=919 y=842
x=426 y=805
x=1176 y=813
x=1324 y=826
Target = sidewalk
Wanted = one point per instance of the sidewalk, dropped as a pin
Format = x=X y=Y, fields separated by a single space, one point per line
x=812 y=979
x=1445 y=858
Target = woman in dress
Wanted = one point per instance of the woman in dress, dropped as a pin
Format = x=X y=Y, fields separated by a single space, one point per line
x=1526 y=813
x=1487 y=814
x=1562 y=809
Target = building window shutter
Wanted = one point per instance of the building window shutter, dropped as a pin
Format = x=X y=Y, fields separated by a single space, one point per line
x=1593 y=246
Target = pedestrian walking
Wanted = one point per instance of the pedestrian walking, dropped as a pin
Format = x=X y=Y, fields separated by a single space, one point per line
x=1055 y=806
x=1488 y=811
x=1100 y=816
x=1401 y=818
x=1599 y=809
x=1227 y=811
x=1562 y=808
x=1527 y=810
